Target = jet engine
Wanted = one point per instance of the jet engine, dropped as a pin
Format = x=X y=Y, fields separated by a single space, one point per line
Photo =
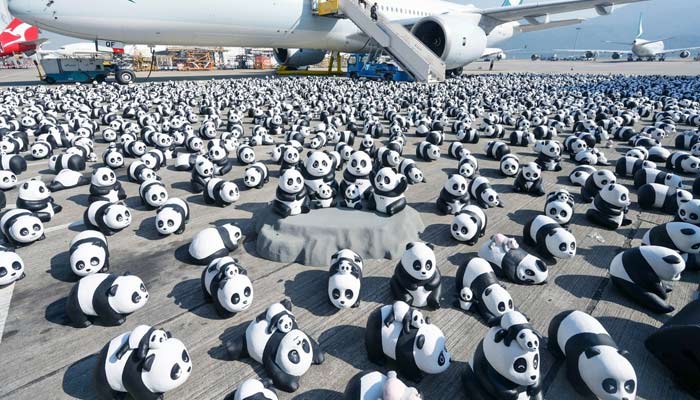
x=456 y=42
x=616 y=56
x=298 y=58
x=590 y=54
x=685 y=54
x=535 y=57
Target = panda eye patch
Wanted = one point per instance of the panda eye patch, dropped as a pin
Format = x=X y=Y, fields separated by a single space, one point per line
x=417 y=265
x=3 y=271
x=290 y=182
x=386 y=180
x=428 y=265
x=94 y=261
x=160 y=224
x=16 y=266
x=501 y=306
x=610 y=386
x=185 y=356
x=236 y=298
x=24 y=232
x=293 y=356
x=363 y=163
x=562 y=247
x=520 y=365
x=175 y=372
x=630 y=386
x=348 y=294
x=306 y=346
x=247 y=291
x=135 y=297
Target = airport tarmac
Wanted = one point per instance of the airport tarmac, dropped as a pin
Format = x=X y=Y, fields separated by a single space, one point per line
x=44 y=358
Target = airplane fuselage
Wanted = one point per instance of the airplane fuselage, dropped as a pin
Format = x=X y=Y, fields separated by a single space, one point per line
x=644 y=48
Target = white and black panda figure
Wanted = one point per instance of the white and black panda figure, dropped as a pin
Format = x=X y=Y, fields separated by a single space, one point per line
x=220 y=192
x=256 y=175
x=641 y=274
x=468 y=165
x=373 y=385
x=89 y=253
x=509 y=165
x=515 y=328
x=218 y=155
x=496 y=149
x=386 y=157
x=290 y=158
x=138 y=172
x=186 y=161
x=481 y=191
x=457 y=150
x=67 y=179
x=57 y=162
x=323 y=198
x=11 y=267
x=253 y=389
x=291 y=196
x=410 y=170
x=580 y=174
x=275 y=340
x=499 y=371
x=521 y=138
x=357 y=171
x=21 y=227
x=453 y=196
x=172 y=217
x=560 y=206
x=142 y=374
x=15 y=163
x=610 y=206
x=689 y=211
x=417 y=279
x=33 y=195
x=106 y=298
x=683 y=162
x=352 y=197
x=478 y=290
x=345 y=279
x=388 y=188
x=318 y=170
x=225 y=283
x=628 y=166
x=469 y=225
x=211 y=243
x=549 y=156
x=647 y=175
x=104 y=186
x=427 y=151
x=8 y=180
x=679 y=236
x=41 y=150
x=549 y=238
x=154 y=159
x=595 y=366
x=596 y=181
x=509 y=261
x=153 y=193
x=108 y=218
x=202 y=172
x=529 y=180
x=661 y=197
x=113 y=158
x=420 y=349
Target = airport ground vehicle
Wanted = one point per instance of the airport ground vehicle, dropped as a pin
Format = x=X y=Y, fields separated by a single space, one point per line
x=82 y=69
x=364 y=66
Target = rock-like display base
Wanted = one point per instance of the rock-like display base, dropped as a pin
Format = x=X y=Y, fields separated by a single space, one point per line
x=311 y=239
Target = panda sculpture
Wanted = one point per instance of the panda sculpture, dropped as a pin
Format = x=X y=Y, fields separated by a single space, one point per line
x=496 y=150
x=105 y=297
x=549 y=156
x=352 y=197
x=66 y=179
x=357 y=171
x=113 y=158
x=596 y=181
x=529 y=180
x=256 y=175
x=468 y=166
x=253 y=389
x=416 y=351
x=661 y=197
x=580 y=174
x=211 y=243
x=318 y=170
x=11 y=267
x=220 y=192
x=417 y=279
x=595 y=366
x=147 y=374
x=427 y=151
x=21 y=227
x=202 y=172
x=560 y=206
x=387 y=195
x=274 y=339
x=225 y=283
x=291 y=196
x=8 y=180
x=453 y=196
x=104 y=186
x=15 y=163
x=410 y=170
x=107 y=217
x=689 y=211
x=610 y=207
x=683 y=162
x=480 y=190
x=33 y=195
x=57 y=162
x=153 y=193
x=469 y=225
x=172 y=217
x=641 y=272
x=345 y=279
x=386 y=157
x=478 y=290
x=648 y=175
x=509 y=165
x=679 y=236
x=521 y=138
x=138 y=172
x=89 y=253
x=629 y=166
x=509 y=261
x=373 y=385
x=549 y=238
x=515 y=328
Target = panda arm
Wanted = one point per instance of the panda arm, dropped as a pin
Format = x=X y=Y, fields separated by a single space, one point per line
x=319 y=355
x=434 y=281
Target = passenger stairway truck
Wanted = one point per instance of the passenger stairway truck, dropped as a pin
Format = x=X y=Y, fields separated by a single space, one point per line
x=409 y=52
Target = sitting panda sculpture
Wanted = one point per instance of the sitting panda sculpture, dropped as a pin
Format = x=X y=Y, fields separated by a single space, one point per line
x=417 y=280
x=454 y=195
x=610 y=206
x=469 y=225
x=510 y=261
x=220 y=192
x=345 y=279
x=225 y=283
x=104 y=186
x=256 y=176
x=373 y=385
x=560 y=206
x=33 y=195
x=172 y=217
x=291 y=196
x=478 y=290
x=387 y=195
x=529 y=180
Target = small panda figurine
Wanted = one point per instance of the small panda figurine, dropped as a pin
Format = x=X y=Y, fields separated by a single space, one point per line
x=352 y=197
x=345 y=279
x=510 y=261
x=453 y=196
x=113 y=158
x=357 y=171
x=479 y=290
x=21 y=227
x=549 y=238
x=138 y=172
x=468 y=166
x=521 y=138
x=211 y=243
x=148 y=376
x=57 y=162
x=66 y=179
x=11 y=267
x=324 y=197
x=109 y=298
x=107 y=217
x=609 y=207
x=549 y=156
x=225 y=283
x=104 y=186
x=253 y=389
x=275 y=340
x=469 y=225
x=418 y=351
x=679 y=236
x=33 y=195
x=41 y=150
x=480 y=190
x=560 y=206
x=580 y=174
x=256 y=176
x=427 y=151
x=153 y=193
x=291 y=195
x=641 y=272
x=628 y=166
x=89 y=253
x=596 y=181
x=496 y=150
x=218 y=155
x=689 y=211
x=661 y=197
x=595 y=366
x=8 y=180
x=648 y=175
x=387 y=196
x=683 y=162
x=14 y=163
x=172 y=217
x=290 y=158
x=142 y=339
x=373 y=385
x=202 y=172
x=515 y=328
x=410 y=170
x=509 y=165
x=529 y=180
x=417 y=280
x=386 y=157
x=220 y=192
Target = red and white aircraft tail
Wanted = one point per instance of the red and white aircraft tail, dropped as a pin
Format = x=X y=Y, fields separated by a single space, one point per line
x=19 y=38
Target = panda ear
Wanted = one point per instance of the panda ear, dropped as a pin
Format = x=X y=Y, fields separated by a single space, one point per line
x=591 y=352
x=409 y=245
x=112 y=291
x=168 y=334
x=148 y=362
x=309 y=154
x=420 y=341
x=287 y=304
x=427 y=320
x=624 y=353
x=688 y=231
x=431 y=246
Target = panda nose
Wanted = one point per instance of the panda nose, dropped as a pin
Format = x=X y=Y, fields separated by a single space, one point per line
x=533 y=377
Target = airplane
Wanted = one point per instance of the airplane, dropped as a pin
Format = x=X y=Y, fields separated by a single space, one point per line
x=641 y=48
x=19 y=38
x=457 y=33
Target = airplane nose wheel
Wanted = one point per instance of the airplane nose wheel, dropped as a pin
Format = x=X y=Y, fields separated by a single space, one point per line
x=125 y=77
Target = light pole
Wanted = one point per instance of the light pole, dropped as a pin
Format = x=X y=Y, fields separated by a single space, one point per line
x=578 y=30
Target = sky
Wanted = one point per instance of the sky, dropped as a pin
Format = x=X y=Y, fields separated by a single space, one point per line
x=675 y=19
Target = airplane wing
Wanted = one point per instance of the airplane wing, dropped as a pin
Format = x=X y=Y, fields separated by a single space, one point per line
x=37 y=42
x=540 y=9
x=679 y=50
x=593 y=51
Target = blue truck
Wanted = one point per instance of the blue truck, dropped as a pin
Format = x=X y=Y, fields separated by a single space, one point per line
x=362 y=66
x=82 y=69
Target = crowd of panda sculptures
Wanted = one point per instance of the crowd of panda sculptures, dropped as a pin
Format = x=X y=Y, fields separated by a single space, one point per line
x=340 y=143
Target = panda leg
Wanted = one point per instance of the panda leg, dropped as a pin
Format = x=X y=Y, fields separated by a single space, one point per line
x=226 y=169
x=398 y=291
x=442 y=206
x=642 y=297
x=43 y=216
x=56 y=208
x=371 y=203
x=319 y=355
x=597 y=218
x=73 y=311
x=237 y=348
x=434 y=298
x=396 y=207
x=281 y=209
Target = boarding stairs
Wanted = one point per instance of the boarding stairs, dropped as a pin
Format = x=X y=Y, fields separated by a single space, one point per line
x=409 y=52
